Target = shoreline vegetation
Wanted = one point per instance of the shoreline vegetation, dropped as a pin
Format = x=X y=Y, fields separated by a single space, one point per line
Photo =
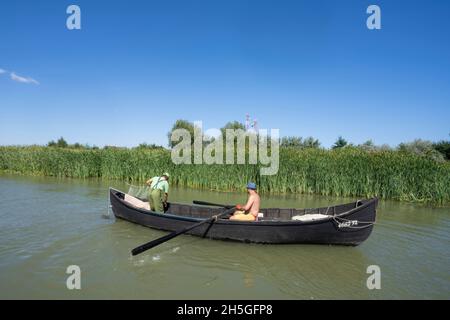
x=348 y=171
x=418 y=171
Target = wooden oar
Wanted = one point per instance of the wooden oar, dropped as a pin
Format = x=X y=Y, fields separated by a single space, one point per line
x=204 y=203
x=174 y=234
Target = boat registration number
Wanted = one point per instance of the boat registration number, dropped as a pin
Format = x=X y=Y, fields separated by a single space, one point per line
x=347 y=224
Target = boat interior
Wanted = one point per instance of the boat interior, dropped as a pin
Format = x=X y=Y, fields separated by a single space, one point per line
x=268 y=213
x=198 y=211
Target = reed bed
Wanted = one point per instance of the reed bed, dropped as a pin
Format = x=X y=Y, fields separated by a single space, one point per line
x=348 y=172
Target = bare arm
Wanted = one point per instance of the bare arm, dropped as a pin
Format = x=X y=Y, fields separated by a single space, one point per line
x=149 y=181
x=249 y=203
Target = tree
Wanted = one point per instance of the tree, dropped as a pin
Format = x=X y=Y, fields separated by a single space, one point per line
x=368 y=146
x=298 y=142
x=148 y=146
x=310 y=142
x=443 y=147
x=340 y=143
x=369 y=143
x=61 y=143
x=384 y=147
x=77 y=146
x=107 y=147
x=292 y=142
x=422 y=148
x=181 y=124
x=234 y=125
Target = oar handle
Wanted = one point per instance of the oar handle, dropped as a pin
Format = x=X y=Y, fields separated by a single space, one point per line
x=204 y=203
x=174 y=234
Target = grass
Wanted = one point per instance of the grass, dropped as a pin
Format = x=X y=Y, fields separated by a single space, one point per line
x=346 y=172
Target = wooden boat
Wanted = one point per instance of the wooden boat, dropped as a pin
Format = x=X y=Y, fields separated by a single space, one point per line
x=347 y=224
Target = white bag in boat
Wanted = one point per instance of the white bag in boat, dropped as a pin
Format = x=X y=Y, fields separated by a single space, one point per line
x=310 y=217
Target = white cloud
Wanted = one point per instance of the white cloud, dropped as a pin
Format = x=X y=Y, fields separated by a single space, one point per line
x=20 y=79
x=2 y=71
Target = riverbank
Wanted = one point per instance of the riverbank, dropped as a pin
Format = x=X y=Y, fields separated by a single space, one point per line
x=346 y=172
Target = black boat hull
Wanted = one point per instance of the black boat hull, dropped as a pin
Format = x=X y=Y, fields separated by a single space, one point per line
x=348 y=228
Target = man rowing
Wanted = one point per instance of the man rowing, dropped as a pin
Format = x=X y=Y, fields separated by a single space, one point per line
x=250 y=211
x=159 y=192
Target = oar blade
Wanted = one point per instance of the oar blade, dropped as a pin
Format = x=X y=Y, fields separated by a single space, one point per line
x=152 y=244
x=174 y=234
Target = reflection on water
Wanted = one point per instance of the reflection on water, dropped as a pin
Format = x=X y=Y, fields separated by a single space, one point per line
x=48 y=224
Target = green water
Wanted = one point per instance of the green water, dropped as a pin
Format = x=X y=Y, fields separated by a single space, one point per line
x=47 y=224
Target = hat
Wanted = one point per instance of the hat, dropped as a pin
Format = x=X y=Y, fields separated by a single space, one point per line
x=251 y=186
x=166 y=174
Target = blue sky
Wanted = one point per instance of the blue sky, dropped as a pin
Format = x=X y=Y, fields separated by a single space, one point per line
x=309 y=68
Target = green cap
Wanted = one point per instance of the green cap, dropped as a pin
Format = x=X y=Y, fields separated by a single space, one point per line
x=166 y=174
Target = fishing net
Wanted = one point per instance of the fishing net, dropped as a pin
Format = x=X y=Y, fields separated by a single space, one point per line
x=140 y=192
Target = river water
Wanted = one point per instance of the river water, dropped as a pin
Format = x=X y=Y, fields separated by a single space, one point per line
x=48 y=224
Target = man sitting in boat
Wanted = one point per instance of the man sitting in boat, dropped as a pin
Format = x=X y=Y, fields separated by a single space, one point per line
x=159 y=192
x=250 y=211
